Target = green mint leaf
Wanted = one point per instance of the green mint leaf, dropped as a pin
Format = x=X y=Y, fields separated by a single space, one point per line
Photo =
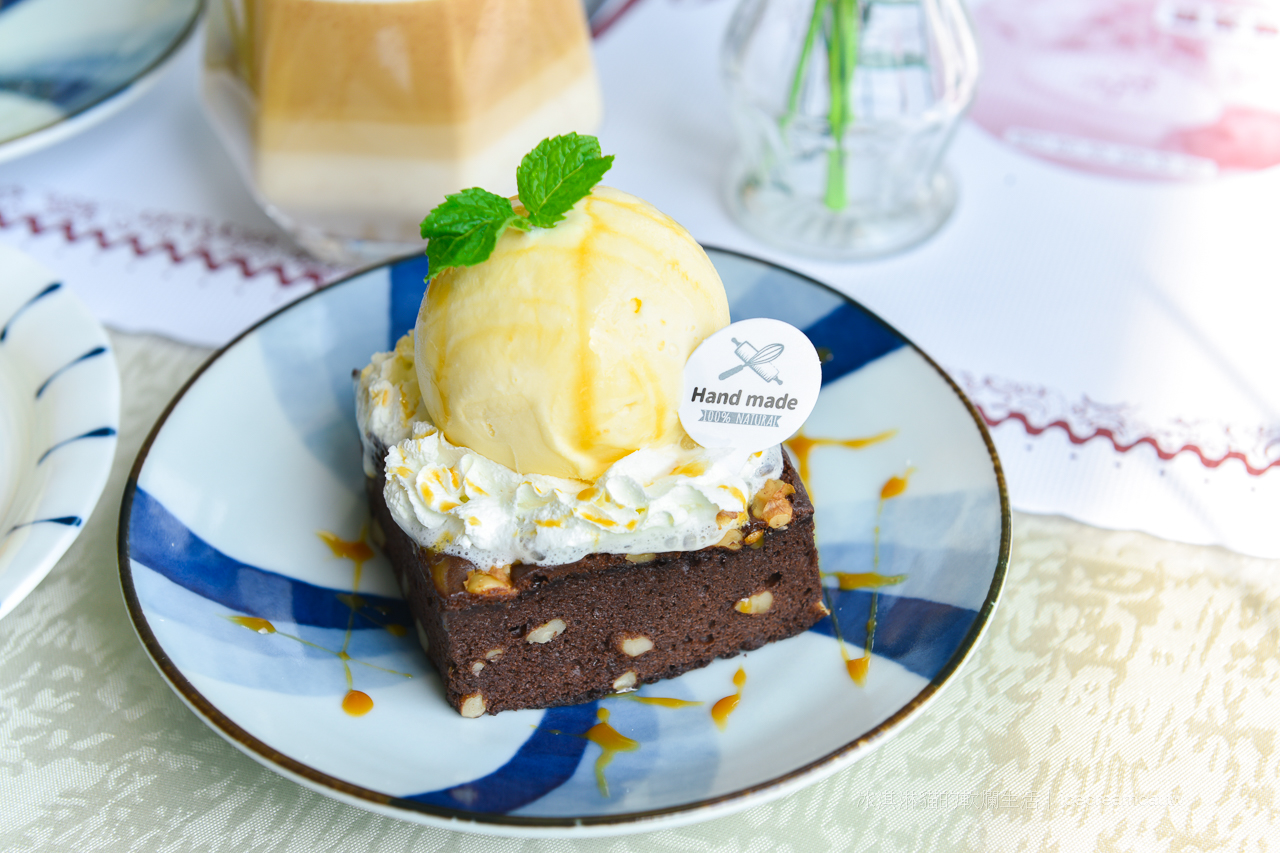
x=463 y=229
x=557 y=173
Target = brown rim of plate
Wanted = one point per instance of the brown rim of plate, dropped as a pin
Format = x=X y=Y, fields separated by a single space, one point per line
x=457 y=818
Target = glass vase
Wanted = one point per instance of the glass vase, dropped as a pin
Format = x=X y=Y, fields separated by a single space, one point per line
x=844 y=109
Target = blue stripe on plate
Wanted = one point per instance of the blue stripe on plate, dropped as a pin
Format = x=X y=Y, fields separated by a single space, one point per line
x=62 y=84
x=64 y=520
x=164 y=544
x=408 y=284
x=158 y=540
x=93 y=353
x=753 y=287
x=4 y=333
x=919 y=635
x=547 y=760
x=852 y=338
x=100 y=432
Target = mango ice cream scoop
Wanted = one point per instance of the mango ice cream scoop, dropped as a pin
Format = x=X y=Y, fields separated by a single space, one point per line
x=565 y=350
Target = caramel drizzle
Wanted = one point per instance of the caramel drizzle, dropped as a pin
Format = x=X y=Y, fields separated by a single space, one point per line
x=661 y=701
x=357 y=603
x=358 y=552
x=802 y=446
x=863 y=580
x=611 y=742
x=258 y=626
x=354 y=702
x=722 y=709
x=858 y=667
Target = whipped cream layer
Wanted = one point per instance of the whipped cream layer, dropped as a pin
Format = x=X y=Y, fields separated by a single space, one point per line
x=678 y=497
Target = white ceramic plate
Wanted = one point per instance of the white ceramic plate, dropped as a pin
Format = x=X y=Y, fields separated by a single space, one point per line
x=65 y=65
x=247 y=612
x=59 y=412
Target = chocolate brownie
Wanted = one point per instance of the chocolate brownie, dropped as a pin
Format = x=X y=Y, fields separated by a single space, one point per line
x=560 y=635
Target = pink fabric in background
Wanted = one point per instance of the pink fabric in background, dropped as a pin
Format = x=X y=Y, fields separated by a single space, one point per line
x=1154 y=89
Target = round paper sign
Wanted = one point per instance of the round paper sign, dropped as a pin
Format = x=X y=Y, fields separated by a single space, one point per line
x=750 y=385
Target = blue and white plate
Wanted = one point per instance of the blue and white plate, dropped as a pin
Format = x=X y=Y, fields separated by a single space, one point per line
x=242 y=592
x=67 y=64
x=59 y=413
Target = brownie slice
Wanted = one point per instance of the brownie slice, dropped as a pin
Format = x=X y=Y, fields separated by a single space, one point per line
x=560 y=635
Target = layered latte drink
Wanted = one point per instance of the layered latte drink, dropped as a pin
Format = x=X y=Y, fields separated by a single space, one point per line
x=350 y=117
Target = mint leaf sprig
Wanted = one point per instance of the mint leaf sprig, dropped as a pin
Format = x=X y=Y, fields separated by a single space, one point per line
x=464 y=229
x=557 y=173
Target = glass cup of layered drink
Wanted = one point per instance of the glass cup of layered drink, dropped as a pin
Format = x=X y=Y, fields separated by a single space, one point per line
x=348 y=118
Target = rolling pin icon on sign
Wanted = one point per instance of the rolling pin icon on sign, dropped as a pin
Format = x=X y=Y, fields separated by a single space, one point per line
x=759 y=360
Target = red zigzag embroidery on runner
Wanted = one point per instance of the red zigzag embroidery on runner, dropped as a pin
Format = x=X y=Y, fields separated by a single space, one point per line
x=177 y=256
x=1103 y=432
x=599 y=27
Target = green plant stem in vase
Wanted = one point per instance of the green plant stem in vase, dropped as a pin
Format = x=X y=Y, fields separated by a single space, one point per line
x=797 y=78
x=842 y=60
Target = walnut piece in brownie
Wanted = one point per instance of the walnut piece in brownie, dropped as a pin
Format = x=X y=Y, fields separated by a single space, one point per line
x=537 y=636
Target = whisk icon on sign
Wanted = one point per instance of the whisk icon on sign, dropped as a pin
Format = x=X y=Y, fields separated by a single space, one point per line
x=759 y=360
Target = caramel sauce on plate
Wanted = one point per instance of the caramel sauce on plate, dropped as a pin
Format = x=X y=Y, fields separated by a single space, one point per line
x=253 y=623
x=354 y=702
x=722 y=709
x=356 y=550
x=611 y=742
x=802 y=446
x=663 y=701
x=893 y=487
x=357 y=704
x=864 y=580
x=858 y=667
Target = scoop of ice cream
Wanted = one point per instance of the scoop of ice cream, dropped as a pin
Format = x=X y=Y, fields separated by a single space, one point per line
x=565 y=350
